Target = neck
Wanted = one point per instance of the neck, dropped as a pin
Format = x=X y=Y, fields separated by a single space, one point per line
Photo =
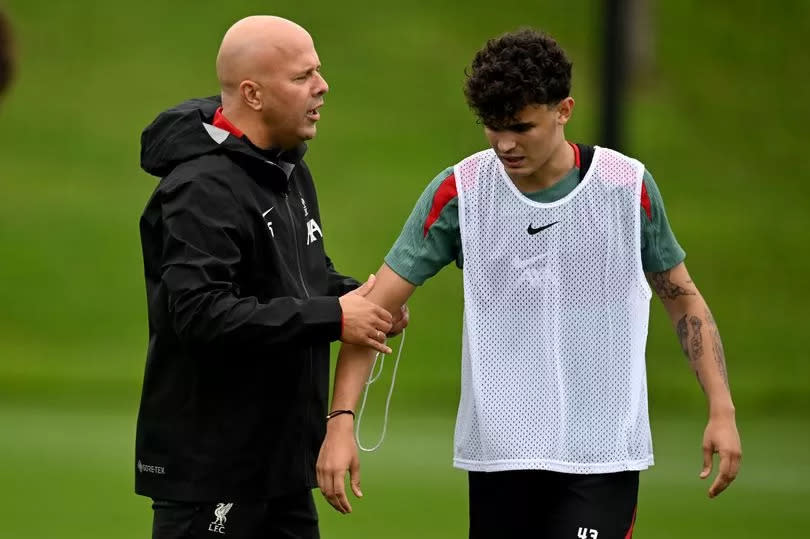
x=249 y=123
x=559 y=162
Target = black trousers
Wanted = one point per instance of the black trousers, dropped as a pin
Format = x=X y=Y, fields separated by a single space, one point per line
x=290 y=517
x=542 y=504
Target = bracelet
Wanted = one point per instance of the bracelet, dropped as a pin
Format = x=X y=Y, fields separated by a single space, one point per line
x=335 y=413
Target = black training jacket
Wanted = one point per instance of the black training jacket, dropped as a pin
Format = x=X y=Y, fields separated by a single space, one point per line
x=242 y=304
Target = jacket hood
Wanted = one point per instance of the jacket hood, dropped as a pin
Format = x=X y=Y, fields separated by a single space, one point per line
x=184 y=132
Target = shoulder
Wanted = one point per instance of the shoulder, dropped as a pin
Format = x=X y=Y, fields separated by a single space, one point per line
x=205 y=182
x=440 y=193
x=649 y=182
x=443 y=184
x=651 y=199
x=213 y=170
x=440 y=190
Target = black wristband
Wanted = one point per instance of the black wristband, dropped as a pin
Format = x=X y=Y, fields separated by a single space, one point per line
x=335 y=413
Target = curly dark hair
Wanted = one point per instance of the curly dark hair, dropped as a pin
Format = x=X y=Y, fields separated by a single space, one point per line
x=6 y=54
x=513 y=71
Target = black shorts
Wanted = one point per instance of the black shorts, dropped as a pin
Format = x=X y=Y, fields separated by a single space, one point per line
x=542 y=504
x=290 y=517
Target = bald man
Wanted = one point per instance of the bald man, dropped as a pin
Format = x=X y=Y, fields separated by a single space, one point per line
x=242 y=299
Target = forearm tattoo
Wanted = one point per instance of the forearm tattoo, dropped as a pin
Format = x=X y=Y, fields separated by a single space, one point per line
x=665 y=288
x=683 y=335
x=717 y=346
x=691 y=340
x=690 y=337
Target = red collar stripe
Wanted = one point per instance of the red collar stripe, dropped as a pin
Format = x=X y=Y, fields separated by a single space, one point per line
x=222 y=122
x=577 y=161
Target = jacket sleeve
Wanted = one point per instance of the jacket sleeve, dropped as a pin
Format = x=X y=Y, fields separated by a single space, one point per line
x=338 y=284
x=202 y=226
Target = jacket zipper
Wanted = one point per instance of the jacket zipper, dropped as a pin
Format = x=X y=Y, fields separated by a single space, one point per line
x=295 y=240
x=308 y=465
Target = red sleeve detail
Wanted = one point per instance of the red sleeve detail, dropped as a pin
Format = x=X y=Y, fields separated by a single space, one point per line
x=223 y=123
x=629 y=534
x=444 y=194
x=645 y=201
x=577 y=160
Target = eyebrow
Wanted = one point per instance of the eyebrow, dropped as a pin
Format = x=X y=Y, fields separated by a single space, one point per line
x=304 y=71
x=523 y=126
x=517 y=127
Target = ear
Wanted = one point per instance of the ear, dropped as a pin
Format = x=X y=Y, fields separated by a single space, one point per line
x=565 y=108
x=251 y=94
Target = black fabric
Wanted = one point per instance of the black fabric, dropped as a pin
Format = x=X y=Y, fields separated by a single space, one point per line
x=289 y=517
x=543 y=504
x=585 y=159
x=242 y=306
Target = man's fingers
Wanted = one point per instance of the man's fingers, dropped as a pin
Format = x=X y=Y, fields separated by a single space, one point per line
x=736 y=461
x=329 y=481
x=326 y=488
x=354 y=474
x=378 y=335
x=366 y=287
x=384 y=316
x=331 y=494
x=341 y=501
x=378 y=346
x=729 y=465
x=707 y=462
x=320 y=477
x=721 y=483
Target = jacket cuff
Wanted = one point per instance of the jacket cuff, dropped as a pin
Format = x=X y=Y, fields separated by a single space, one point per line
x=325 y=311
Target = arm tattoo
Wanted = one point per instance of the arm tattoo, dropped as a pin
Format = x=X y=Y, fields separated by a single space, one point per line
x=665 y=288
x=696 y=342
x=692 y=345
x=717 y=346
x=683 y=335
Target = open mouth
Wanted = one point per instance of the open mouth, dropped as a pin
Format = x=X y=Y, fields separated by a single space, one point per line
x=314 y=113
x=512 y=161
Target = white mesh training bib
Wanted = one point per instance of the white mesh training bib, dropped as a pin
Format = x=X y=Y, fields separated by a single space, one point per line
x=555 y=322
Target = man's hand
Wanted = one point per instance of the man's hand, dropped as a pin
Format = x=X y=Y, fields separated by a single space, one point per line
x=338 y=454
x=721 y=437
x=364 y=322
x=400 y=322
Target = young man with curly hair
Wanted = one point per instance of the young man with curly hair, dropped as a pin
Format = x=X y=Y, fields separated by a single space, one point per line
x=555 y=240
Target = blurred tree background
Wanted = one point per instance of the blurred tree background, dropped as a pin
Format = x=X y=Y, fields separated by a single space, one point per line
x=718 y=113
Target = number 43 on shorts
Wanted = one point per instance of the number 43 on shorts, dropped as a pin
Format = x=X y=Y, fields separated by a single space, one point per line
x=587 y=533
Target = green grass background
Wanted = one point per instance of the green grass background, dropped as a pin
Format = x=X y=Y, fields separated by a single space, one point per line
x=720 y=121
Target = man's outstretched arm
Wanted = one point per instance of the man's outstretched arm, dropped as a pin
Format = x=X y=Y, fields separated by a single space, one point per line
x=339 y=451
x=700 y=341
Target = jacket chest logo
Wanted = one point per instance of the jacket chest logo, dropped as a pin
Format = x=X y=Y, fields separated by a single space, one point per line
x=269 y=221
x=313 y=231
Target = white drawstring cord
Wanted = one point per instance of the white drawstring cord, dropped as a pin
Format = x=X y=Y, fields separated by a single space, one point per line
x=371 y=379
x=371 y=376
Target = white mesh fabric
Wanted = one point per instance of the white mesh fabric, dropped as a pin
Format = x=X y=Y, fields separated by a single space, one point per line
x=555 y=323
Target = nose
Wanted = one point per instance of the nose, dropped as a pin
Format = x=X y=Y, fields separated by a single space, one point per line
x=505 y=144
x=321 y=86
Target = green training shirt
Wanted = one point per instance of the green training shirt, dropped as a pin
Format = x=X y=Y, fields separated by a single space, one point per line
x=431 y=237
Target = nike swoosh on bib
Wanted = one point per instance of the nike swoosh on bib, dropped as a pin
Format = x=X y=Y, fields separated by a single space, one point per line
x=533 y=231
